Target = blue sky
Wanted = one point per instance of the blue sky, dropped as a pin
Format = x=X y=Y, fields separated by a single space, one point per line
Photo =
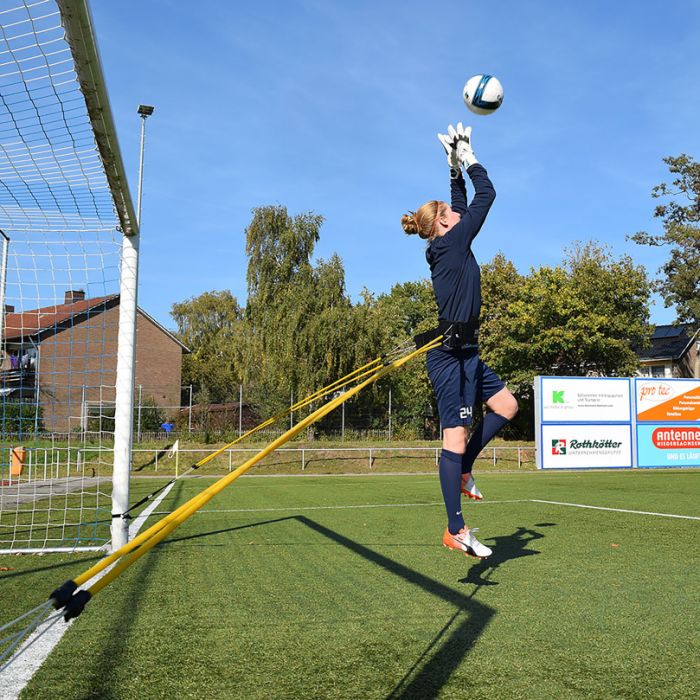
x=333 y=107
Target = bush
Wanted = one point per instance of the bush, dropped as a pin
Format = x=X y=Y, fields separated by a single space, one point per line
x=21 y=418
x=152 y=416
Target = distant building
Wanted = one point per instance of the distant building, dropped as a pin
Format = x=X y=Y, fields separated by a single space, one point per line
x=674 y=352
x=64 y=357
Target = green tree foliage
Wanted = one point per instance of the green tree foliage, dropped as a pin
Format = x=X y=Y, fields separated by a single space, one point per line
x=300 y=331
x=149 y=418
x=394 y=319
x=21 y=418
x=585 y=316
x=211 y=326
x=679 y=284
x=301 y=323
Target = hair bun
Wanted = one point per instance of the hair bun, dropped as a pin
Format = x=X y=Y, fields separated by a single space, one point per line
x=409 y=223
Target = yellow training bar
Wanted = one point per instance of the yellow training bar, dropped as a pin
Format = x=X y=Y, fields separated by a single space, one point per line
x=129 y=546
x=74 y=601
x=353 y=376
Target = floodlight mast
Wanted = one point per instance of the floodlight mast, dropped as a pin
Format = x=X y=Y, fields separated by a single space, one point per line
x=124 y=398
x=144 y=112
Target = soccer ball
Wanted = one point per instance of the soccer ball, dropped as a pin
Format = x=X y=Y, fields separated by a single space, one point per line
x=483 y=94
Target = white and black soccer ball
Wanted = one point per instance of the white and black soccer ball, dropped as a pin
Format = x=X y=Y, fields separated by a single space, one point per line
x=483 y=94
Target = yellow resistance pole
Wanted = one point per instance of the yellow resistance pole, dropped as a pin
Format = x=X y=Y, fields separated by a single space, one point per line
x=353 y=376
x=162 y=528
x=129 y=546
x=198 y=501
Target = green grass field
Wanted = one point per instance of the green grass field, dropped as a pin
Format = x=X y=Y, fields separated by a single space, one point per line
x=337 y=587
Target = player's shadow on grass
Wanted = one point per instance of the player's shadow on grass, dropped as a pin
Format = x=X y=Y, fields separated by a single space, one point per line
x=505 y=548
x=445 y=652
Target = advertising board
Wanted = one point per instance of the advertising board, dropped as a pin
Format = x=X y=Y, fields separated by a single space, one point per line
x=668 y=445
x=661 y=400
x=585 y=399
x=586 y=446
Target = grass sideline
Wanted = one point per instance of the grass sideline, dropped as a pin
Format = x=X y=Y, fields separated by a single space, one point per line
x=150 y=458
x=327 y=457
x=338 y=588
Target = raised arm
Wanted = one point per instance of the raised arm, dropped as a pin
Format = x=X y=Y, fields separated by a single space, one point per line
x=484 y=193
x=474 y=214
x=458 y=192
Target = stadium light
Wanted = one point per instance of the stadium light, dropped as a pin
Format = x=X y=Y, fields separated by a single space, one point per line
x=144 y=112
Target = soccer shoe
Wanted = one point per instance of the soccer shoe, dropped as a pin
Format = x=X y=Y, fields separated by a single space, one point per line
x=465 y=541
x=469 y=488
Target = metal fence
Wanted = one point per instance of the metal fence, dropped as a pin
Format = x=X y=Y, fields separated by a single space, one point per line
x=162 y=460
x=46 y=463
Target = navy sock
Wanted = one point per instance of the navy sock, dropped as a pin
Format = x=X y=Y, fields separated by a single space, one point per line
x=451 y=483
x=482 y=435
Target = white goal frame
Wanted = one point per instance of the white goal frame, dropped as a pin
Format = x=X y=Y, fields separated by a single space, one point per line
x=79 y=31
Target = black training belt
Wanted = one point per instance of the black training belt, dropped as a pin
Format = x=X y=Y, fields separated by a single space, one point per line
x=457 y=334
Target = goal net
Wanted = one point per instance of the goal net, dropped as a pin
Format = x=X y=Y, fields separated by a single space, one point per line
x=64 y=210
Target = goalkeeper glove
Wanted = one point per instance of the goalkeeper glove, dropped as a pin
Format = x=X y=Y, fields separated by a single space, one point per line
x=461 y=140
x=452 y=159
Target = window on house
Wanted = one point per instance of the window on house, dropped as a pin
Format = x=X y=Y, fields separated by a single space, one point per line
x=658 y=371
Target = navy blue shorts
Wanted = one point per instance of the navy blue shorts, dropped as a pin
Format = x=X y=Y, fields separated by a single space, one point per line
x=460 y=379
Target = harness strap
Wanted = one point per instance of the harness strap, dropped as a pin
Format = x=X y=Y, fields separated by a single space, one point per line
x=457 y=334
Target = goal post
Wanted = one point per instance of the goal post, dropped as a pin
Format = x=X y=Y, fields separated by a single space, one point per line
x=80 y=35
x=69 y=291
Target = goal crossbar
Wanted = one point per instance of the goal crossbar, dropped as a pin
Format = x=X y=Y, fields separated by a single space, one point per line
x=78 y=25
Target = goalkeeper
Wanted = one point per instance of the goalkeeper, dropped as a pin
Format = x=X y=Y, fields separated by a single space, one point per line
x=460 y=379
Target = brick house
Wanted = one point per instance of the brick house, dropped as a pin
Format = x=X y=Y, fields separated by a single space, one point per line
x=64 y=357
x=674 y=352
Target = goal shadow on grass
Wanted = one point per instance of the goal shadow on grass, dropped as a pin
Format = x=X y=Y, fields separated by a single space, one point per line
x=432 y=669
x=435 y=665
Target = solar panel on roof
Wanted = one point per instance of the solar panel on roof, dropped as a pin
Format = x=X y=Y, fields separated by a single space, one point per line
x=667 y=332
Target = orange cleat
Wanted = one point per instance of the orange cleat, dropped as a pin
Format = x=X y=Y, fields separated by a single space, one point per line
x=465 y=541
x=469 y=488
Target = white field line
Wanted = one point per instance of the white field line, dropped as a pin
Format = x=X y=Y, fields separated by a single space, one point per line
x=32 y=654
x=366 y=505
x=433 y=504
x=617 y=510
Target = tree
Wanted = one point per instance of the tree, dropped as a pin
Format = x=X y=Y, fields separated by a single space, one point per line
x=211 y=326
x=394 y=319
x=300 y=322
x=680 y=216
x=585 y=316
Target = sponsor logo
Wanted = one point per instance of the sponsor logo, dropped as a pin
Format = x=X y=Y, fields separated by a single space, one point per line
x=675 y=438
x=558 y=447
x=653 y=392
x=558 y=397
x=594 y=444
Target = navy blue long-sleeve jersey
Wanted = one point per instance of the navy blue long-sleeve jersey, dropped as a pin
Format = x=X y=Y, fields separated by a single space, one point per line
x=453 y=268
